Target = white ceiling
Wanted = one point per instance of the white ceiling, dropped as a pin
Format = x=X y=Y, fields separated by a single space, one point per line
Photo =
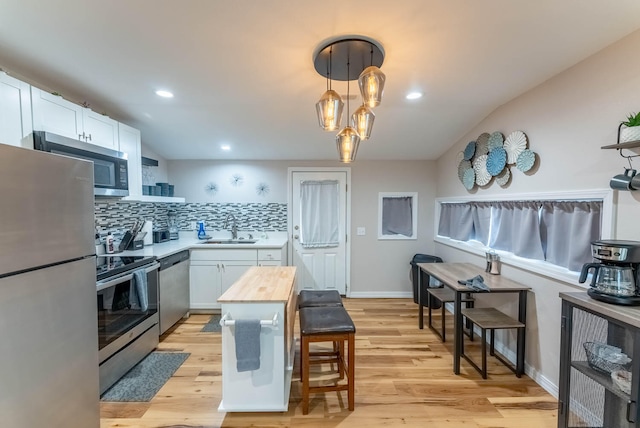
x=242 y=70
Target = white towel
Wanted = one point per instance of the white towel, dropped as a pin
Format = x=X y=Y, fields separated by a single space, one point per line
x=138 y=296
x=247 y=345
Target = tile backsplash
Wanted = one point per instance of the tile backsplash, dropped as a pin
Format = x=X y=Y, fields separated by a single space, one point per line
x=118 y=216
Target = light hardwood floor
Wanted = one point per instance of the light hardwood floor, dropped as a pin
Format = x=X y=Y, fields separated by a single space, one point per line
x=404 y=377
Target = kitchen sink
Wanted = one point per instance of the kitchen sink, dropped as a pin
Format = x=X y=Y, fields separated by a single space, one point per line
x=230 y=241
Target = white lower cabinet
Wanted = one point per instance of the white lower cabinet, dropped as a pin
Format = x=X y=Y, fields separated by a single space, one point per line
x=212 y=272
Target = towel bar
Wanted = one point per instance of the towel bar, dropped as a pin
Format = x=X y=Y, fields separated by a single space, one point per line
x=226 y=322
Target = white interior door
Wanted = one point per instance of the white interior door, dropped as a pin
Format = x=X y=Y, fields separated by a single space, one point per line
x=321 y=266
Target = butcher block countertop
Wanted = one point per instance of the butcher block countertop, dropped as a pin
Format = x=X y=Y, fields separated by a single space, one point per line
x=262 y=284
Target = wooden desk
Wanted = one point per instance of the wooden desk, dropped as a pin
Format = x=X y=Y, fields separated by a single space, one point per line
x=450 y=273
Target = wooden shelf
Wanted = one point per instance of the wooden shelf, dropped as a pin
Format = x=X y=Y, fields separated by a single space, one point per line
x=628 y=145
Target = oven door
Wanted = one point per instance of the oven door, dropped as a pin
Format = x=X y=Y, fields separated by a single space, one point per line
x=120 y=318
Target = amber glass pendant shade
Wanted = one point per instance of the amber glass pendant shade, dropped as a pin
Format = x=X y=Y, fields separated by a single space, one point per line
x=347 y=141
x=329 y=110
x=362 y=120
x=371 y=82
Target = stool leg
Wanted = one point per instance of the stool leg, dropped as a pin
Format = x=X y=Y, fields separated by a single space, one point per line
x=341 y=359
x=304 y=373
x=352 y=370
x=429 y=304
x=484 y=353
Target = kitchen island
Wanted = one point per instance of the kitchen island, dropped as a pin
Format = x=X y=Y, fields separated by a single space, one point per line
x=267 y=294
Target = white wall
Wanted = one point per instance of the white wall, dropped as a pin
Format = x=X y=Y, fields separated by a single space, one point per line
x=567 y=120
x=378 y=268
x=159 y=172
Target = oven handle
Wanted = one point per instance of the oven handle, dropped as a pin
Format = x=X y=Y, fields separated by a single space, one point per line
x=124 y=278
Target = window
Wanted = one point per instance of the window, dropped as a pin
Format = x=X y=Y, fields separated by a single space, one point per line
x=547 y=233
x=398 y=215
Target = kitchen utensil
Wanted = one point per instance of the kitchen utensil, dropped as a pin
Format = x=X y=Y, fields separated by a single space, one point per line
x=623 y=181
x=126 y=240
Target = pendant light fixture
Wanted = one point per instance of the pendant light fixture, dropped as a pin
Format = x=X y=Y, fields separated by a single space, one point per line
x=362 y=120
x=329 y=108
x=348 y=139
x=350 y=58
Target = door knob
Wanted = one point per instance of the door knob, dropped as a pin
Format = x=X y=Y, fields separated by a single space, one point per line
x=295 y=236
x=296 y=227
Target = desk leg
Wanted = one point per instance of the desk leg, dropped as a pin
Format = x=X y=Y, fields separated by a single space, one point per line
x=420 y=308
x=522 y=317
x=457 y=332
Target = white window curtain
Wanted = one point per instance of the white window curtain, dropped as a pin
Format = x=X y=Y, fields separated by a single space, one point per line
x=481 y=215
x=456 y=221
x=567 y=229
x=319 y=213
x=516 y=228
x=397 y=215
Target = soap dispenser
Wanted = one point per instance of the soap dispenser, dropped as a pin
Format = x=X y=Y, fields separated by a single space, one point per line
x=201 y=232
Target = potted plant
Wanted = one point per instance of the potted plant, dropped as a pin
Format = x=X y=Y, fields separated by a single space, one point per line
x=631 y=130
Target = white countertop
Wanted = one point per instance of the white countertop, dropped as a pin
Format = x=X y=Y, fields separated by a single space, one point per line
x=187 y=242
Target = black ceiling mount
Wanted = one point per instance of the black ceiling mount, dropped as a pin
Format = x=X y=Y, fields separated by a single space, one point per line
x=331 y=59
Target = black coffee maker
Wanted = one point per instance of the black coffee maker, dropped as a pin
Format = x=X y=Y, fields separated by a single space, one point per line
x=615 y=276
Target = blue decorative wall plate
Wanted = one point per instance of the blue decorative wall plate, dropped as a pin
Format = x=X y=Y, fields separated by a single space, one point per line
x=496 y=161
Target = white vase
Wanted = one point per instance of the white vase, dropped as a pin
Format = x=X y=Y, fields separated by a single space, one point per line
x=630 y=134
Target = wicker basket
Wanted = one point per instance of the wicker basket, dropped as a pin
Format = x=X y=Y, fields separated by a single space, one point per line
x=600 y=364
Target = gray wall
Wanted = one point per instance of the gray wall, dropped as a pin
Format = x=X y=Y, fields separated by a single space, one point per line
x=378 y=268
x=567 y=119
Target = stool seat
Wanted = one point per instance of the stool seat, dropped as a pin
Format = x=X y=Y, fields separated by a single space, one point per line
x=327 y=324
x=325 y=320
x=489 y=319
x=444 y=295
x=309 y=298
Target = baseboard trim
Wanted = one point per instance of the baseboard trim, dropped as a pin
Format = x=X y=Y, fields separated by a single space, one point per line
x=381 y=295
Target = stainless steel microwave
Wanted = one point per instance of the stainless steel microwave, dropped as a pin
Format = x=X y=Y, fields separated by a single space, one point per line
x=110 y=167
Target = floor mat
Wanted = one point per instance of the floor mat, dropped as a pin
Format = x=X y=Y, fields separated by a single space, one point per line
x=145 y=379
x=213 y=325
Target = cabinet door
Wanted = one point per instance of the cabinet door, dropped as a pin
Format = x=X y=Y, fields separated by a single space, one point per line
x=15 y=111
x=204 y=285
x=129 y=143
x=99 y=129
x=232 y=271
x=53 y=113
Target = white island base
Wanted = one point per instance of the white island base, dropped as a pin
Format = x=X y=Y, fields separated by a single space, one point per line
x=267 y=294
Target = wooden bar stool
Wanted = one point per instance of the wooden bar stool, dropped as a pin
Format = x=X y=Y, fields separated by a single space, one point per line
x=310 y=298
x=444 y=295
x=327 y=324
x=489 y=319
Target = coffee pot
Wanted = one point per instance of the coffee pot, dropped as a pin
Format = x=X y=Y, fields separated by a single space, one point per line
x=616 y=272
x=612 y=280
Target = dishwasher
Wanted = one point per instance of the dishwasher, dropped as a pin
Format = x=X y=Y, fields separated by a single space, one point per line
x=173 y=289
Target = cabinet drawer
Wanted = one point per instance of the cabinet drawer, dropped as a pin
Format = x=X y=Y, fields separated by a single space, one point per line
x=224 y=254
x=270 y=254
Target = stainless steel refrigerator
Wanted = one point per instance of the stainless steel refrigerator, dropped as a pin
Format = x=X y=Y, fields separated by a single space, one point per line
x=48 y=310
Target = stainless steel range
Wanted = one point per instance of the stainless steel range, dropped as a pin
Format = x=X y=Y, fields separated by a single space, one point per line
x=127 y=324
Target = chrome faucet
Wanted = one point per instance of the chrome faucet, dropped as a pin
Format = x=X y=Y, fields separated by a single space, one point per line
x=234 y=227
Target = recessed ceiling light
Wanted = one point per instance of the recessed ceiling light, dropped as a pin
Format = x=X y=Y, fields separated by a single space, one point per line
x=225 y=147
x=414 y=95
x=164 y=94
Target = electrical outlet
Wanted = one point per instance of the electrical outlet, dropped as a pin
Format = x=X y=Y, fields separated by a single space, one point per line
x=361 y=231
x=192 y=225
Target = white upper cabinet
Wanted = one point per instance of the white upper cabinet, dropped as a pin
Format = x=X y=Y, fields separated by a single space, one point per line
x=130 y=144
x=52 y=113
x=15 y=111
x=99 y=129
